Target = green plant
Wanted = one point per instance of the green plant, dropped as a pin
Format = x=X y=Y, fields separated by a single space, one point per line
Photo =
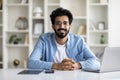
x=14 y=39
x=17 y=40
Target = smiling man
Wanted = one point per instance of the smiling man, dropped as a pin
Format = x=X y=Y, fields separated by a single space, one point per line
x=62 y=50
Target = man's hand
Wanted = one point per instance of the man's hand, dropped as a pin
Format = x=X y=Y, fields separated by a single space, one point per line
x=73 y=64
x=77 y=65
x=66 y=64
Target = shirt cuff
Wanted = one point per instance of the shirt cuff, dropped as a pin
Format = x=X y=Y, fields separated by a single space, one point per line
x=48 y=65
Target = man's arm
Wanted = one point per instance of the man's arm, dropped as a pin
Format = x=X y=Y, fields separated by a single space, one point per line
x=38 y=64
x=90 y=61
x=35 y=60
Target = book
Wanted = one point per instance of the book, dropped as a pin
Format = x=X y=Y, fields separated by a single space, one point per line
x=82 y=30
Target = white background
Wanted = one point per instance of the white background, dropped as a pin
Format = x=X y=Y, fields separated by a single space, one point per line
x=114 y=34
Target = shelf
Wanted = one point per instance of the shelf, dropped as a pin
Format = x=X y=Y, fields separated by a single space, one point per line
x=53 y=4
x=36 y=36
x=17 y=4
x=99 y=31
x=38 y=17
x=98 y=4
x=17 y=31
x=98 y=45
x=80 y=17
x=17 y=45
x=53 y=1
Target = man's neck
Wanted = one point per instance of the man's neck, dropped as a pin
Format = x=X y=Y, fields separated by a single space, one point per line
x=61 y=41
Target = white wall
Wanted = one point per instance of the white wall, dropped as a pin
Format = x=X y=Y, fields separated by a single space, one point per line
x=114 y=16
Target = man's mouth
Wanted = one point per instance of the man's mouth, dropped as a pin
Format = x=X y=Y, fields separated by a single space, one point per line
x=61 y=29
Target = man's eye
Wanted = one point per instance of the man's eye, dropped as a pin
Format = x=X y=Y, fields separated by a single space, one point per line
x=58 y=23
x=65 y=23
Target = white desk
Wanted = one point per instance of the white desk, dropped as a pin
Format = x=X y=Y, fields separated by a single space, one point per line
x=11 y=74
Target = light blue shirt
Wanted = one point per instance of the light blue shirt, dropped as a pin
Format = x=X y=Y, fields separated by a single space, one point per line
x=45 y=49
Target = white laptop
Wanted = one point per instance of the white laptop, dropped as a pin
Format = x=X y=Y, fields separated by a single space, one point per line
x=110 y=60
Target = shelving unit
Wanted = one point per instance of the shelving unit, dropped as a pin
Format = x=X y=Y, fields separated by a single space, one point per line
x=15 y=50
x=35 y=21
x=98 y=12
x=85 y=13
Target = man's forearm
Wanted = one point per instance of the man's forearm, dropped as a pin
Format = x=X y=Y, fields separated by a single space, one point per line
x=37 y=64
x=91 y=64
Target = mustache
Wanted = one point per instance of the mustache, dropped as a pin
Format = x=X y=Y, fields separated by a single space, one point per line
x=61 y=29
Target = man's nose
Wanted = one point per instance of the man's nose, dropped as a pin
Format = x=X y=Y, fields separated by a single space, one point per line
x=62 y=25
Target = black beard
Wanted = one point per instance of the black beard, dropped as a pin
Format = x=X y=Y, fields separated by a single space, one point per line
x=61 y=35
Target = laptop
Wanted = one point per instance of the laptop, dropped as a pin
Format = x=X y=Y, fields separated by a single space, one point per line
x=111 y=60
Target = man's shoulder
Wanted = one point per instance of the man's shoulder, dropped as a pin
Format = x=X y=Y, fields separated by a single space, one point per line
x=75 y=40
x=47 y=35
x=75 y=36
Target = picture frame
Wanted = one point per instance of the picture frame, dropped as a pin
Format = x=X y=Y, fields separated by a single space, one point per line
x=101 y=25
x=38 y=28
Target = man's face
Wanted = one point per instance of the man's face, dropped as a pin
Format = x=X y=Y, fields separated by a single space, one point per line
x=61 y=26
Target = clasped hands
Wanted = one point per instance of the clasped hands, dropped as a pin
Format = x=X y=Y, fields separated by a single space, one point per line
x=66 y=64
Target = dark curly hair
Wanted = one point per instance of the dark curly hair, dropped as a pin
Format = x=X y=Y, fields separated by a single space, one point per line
x=61 y=12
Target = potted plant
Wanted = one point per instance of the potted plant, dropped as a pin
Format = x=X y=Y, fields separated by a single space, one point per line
x=14 y=39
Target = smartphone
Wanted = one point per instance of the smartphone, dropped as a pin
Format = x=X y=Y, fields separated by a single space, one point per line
x=49 y=71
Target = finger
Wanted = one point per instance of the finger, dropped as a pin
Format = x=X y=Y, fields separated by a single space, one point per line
x=67 y=67
x=67 y=59
x=71 y=69
x=67 y=64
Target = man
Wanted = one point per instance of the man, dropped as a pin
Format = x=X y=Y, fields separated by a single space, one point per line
x=62 y=50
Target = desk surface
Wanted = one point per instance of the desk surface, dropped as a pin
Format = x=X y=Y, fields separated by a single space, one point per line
x=11 y=74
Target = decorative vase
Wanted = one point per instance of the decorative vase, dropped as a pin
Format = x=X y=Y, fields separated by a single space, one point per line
x=21 y=23
x=102 y=39
x=37 y=12
x=16 y=62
